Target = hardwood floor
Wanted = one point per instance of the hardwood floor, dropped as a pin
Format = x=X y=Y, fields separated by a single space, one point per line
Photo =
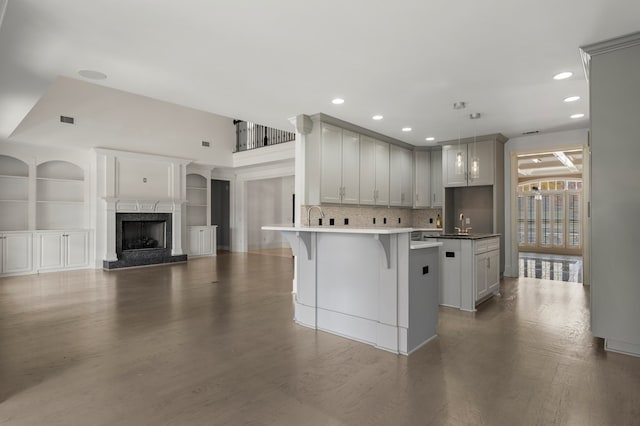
x=213 y=342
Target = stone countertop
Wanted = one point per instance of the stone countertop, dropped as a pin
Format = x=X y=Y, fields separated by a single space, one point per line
x=337 y=229
x=468 y=237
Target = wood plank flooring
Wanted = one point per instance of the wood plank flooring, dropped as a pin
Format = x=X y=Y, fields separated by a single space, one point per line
x=213 y=342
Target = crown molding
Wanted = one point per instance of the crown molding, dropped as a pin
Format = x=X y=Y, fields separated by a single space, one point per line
x=607 y=46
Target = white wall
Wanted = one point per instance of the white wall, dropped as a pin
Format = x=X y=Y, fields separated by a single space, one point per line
x=526 y=144
x=268 y=203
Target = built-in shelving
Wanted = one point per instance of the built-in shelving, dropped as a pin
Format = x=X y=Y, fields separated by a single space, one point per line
x=14 y=194
x=196 y=200
x=59 y=195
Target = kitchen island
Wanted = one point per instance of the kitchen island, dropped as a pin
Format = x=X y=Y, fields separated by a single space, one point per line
x=368 y=284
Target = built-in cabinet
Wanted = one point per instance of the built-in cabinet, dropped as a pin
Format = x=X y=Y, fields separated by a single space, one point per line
x=374 y=172
x=401 y=176
x=436 y=178
x=484 y=151
x=202 y=240
x=14 y=194
x=470 y=271
x=423 y=179
x=59 y=195
x=340 y=165
x=201 y=236
x=16 y=252
x=59 y=250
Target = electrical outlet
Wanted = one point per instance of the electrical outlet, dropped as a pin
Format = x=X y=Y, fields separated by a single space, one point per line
x=346 y=220
x=384 y=220
x=374 y=220
x=320 y=222
x=332 y=221
x=399 y=220
x=430 y=220
x=468 y=221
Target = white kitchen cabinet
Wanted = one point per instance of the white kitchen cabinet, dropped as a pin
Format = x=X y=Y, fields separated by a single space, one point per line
x=202 y=240
x=470 y=271
x=423 y=179
x=16 y=253
x=484 y=151
x=487 y=267
x=339 y=165
x=436 y=179
x=400 y=176
x=59 y=250
x=374 y=172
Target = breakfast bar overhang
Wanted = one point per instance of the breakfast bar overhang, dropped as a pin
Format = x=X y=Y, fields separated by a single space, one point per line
x=373 y=285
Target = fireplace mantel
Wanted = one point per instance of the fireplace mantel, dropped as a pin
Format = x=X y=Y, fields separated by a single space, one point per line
x=124 y=205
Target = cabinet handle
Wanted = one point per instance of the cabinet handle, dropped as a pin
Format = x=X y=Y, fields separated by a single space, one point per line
x=488 y=262
x=434 y=197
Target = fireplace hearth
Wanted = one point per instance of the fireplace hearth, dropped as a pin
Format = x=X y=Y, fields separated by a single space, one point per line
x=143 y=239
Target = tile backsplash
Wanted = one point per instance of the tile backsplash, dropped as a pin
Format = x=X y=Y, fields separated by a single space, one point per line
x=360 y=216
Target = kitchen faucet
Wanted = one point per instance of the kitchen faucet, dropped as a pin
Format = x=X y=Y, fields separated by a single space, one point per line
x=462 y=229
x=309 y=213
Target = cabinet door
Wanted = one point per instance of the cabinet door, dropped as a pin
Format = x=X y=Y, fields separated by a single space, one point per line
x=330 y=164
x=206 y=241
x=493 y=271
x=481 y=275
x=367 y=171
x=50 y=250
x=194 y=240
x=382 y=173
x=449 y=160
x=350 y=167
x=436 y=178
x=423 y=178
x=407 y=178
x=76 y=249
x=395 y=176
x=17 y=253
x=485 y=152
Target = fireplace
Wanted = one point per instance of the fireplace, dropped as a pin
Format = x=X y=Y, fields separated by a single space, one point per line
x=143 y=239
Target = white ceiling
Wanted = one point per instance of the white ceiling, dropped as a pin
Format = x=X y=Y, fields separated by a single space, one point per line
x=265 y=61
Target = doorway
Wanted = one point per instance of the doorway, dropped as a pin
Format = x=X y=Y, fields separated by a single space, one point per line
x=220 y=214
x=549 y=213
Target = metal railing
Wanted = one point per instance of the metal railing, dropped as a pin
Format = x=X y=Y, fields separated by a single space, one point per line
x=251 y=136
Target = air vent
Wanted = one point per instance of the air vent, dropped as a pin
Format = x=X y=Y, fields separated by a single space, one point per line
x=65 y=119
x=205 y=143
x=533 y=132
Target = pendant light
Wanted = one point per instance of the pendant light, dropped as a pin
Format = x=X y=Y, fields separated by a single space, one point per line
x=474 y=173
x=460 y=155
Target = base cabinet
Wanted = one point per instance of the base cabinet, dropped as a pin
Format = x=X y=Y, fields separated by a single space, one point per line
x=202 y=240
x=16 y=253
x=60 y=250
x=470 y=271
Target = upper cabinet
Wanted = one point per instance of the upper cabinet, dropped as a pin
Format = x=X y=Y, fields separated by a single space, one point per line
x=400 y=176
x=423 y=179
x=60 y=189
x=458 y=163
x=374 y=172
x=436 y=178
x=340 y=165
x=14 y=194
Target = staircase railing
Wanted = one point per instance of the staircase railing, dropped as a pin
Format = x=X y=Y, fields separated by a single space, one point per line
x=250 y=135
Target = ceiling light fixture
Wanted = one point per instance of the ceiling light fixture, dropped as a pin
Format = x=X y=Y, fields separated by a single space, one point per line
x=337 y=101
x=430 y=139
x=92 y=74
x=577 y=115
x=536 y=160
x=459 y=166
x=475 y=161
x=406 y=129
x=571 y=98
x=565 y=160
x=377 y=117
x=562 y=75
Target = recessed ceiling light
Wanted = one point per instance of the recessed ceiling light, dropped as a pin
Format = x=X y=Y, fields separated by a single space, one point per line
x=571 y=98
x=577 y=116
x=92 y=74
x=337 y=101
x=377 y=117
x=430 y=139
x=406 y=129
x=562 y=75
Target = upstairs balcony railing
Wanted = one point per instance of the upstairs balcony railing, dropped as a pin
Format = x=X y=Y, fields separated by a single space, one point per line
x=251 y=136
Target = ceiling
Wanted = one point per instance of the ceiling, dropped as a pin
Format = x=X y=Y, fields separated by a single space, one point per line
x=266 y=61
x=558 y=163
